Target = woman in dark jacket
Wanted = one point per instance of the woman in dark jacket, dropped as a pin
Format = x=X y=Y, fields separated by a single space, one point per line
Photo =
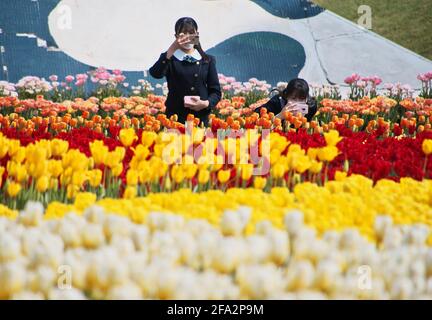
x=193 y=83
x=294 y=98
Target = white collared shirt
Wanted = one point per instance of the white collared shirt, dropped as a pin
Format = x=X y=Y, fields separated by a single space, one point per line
x=180 y=54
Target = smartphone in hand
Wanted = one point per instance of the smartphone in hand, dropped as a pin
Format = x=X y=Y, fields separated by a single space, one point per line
x=190 y=100
x=304 y=108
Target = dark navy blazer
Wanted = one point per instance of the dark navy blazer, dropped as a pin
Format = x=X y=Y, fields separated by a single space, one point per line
x=184 y=78
x=276 y=104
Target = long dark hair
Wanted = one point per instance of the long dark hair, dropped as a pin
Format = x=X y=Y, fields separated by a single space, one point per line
x=296 y=89
x=187 y=24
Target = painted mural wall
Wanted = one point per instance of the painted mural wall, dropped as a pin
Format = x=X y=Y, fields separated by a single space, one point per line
x=273 y=40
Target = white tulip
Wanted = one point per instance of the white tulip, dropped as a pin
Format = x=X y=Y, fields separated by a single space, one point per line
x=123 y=245
x=310 y=295
x=10 y=248
x=332 y=238
x=27 y=295
x=12 y=279
x=164 y=221
x=116 y=225
x=127 y=291
x=280 y=246
x=95 y=214
x=393 y=238
x=417 y=269
x=299 y=275
x=259 y=281
x=67 y=294
x=207 y=244
x=43 y=279
x=428 y=261
x=188 y=248
x=326 y=273
x=70 y=234
x=294 y=221
x=382 y=225
x=163 y=246
x=233 y=223
x=92 y=236
x=32 y=214
x=259 y=249
x=227 y=255
x=167 y=282
x=350 y=239
x=140 y=236
x=401 y=288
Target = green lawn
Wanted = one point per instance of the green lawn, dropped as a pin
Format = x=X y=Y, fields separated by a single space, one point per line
x=406 y=22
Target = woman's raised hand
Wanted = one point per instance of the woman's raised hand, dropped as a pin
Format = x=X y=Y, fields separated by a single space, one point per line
x=180 y=41
x=292 y=107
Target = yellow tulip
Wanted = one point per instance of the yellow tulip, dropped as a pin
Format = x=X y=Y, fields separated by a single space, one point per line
x=316 y=167
x=4 y=145
x=59 y=147
x=203 y=176
x=148 y=138
x=340 y=176
x=177 y=174
x=130 y=192
x=427 y=146
x=127 y=137
x=95 y=177
x=246 y=171
x=84 y=200
x=328 y=153
x=312 y=153
x=55 y=168
x=14 y=146
x=13 y=189
x=79 y=178
x=132 y=177
x=332 y=137
x=117 y=170
x=190 y=170
x=71 y=191
x=260 y=182
x=99 y=151
x=42 y=184
x=19 y=155
x=219 y=162
x=2 y=170
x=141 y=153
x=302 y=164
x=223 y=175
x=115 y=157
x=278 y=170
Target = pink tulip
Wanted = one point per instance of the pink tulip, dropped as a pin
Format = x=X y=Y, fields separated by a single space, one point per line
x=119 y=78
x=422 y=77
x=79 y=83
x=230 y=79
x=82 y=76
x=53 y=77
x=69 y=78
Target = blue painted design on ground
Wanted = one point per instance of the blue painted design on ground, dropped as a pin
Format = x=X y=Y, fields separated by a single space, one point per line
x=268 y=56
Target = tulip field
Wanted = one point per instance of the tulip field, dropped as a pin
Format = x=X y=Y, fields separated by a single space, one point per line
x=105 y=197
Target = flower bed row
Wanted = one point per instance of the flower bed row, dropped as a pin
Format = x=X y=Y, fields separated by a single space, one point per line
x=133 y=163
x=407 y=117
x=372 y=243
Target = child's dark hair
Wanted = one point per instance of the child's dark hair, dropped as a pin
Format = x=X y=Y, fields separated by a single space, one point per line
x=189 y=25
x=296 y=89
